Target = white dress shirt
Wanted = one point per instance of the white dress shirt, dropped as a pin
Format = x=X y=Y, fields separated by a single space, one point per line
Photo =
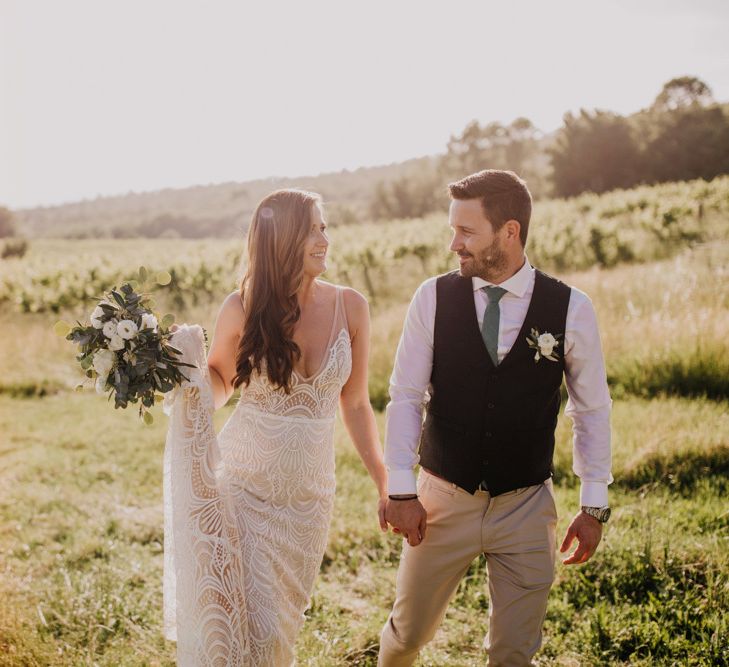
x=588 y=404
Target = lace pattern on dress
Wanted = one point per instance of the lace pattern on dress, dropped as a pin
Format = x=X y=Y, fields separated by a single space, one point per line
x=204 y=602
x=315 y=398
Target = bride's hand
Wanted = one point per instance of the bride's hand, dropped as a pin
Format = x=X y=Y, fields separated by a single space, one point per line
x=382 y=503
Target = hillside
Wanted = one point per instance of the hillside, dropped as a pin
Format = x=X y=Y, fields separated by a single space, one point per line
x=219 y=210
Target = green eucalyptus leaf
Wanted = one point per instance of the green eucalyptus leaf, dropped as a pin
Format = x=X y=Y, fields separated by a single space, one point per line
x=118 y=298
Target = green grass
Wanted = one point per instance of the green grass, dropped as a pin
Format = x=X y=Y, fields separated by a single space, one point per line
x=699 y=372
x=81 y=554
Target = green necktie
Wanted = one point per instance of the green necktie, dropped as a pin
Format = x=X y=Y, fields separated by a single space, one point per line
x=490 y=327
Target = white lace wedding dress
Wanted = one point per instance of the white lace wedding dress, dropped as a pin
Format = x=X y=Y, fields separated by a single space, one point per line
x=247 y=511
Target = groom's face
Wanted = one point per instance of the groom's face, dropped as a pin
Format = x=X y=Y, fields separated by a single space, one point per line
x=478 y=247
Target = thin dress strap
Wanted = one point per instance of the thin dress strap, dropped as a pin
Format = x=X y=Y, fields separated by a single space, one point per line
x=342 y=322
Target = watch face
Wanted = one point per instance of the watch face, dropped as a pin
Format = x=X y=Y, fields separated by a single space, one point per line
x=605 y=514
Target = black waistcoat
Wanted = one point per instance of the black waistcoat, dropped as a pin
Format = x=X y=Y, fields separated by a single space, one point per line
x=486 y=422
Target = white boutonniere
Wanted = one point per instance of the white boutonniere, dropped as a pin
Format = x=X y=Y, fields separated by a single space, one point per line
x=545 y=345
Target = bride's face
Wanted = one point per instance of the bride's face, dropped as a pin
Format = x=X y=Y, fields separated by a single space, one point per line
x=316 y=244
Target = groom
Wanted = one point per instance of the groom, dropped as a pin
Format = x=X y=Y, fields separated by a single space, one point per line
x=487 y=348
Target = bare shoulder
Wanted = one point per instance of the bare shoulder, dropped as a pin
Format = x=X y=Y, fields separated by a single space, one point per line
x=356 y=310
x=233 y=304
x=231 y=312
x=355 y=303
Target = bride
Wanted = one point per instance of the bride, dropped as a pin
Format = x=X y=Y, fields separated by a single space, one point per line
x=247 y=511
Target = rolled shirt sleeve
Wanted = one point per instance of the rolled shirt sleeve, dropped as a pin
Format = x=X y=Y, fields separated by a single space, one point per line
x=589 y=403
x=409 y=384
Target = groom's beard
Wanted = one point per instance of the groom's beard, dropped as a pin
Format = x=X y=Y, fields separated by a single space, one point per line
x=488 y=264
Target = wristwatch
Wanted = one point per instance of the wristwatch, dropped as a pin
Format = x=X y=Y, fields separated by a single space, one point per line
x=602 y=514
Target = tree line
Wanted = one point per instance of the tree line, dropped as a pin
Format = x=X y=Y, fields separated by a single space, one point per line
x=683 y=135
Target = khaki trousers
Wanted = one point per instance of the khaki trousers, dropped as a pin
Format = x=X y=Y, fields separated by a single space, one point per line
x=516 y=533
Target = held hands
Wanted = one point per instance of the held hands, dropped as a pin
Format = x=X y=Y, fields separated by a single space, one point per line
x=381 y=505
x=588 y=531
x=407 y=517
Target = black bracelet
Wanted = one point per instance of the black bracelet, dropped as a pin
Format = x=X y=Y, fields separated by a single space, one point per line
x=415 y=497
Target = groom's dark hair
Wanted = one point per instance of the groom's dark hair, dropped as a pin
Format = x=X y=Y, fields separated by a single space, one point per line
x=504 y=196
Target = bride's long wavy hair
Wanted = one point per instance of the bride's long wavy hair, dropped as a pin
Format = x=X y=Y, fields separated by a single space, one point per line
x=275 y=272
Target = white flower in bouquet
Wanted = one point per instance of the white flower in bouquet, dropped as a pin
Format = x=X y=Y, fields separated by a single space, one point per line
x=127 y=329
x=96 y=317
x=149 y=321
x=103 y=362
x=116 y=343
x=109 y=328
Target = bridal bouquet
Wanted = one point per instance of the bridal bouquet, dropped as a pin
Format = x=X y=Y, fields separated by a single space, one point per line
x=126 y=351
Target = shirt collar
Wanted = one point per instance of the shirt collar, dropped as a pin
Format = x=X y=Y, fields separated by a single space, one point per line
x=518 y=284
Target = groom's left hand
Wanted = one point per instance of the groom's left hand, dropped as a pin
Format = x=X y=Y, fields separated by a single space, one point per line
x=588 y=532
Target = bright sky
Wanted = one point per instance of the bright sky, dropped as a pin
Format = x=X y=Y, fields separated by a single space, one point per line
x=101 y=97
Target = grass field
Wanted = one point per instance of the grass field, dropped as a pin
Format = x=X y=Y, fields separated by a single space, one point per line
x=82 y=555
x=81 y=514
